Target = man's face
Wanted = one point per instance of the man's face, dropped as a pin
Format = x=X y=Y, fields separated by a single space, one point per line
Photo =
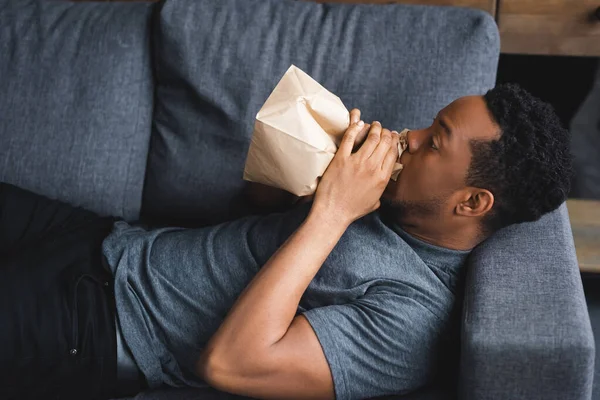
x=437 y=159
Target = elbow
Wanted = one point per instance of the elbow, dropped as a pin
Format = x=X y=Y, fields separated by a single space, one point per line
x=230 y=373
x=209 y=367
x=216 y=371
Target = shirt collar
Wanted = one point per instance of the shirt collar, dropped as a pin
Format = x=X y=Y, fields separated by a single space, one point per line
x=431 y=253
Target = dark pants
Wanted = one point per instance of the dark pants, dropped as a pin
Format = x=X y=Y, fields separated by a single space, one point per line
x=57 y=329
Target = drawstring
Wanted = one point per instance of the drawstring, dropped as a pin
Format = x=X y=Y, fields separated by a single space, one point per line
x=75 y=317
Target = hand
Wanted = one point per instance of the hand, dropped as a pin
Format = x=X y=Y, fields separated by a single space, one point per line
x=362 y=135
x=354 y=182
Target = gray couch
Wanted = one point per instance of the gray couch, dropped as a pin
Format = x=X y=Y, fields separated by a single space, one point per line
x=146 y=110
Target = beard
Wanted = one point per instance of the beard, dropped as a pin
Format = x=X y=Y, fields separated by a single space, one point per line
x=401 y=210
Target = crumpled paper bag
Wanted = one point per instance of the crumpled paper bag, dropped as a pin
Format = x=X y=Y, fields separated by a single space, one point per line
x=296 y=134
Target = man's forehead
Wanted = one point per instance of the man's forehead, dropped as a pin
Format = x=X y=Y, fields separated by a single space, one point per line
x=470 y=118
x=464 y=104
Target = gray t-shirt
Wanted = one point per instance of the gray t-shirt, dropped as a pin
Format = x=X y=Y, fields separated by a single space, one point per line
x=380 y=305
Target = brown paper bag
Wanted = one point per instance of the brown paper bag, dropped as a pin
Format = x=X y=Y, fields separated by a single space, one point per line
x=296 y=134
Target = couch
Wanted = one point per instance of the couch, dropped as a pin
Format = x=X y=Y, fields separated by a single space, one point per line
x=145 y=111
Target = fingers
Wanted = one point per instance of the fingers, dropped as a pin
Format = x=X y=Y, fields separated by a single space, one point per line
x=372 y=141
x=385 y=142
x=350 y=137
x=392 y=155
x=354 y=116
x=360 y=137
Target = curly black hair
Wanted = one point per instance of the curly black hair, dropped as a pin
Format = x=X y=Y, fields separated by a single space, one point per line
x=529 y=168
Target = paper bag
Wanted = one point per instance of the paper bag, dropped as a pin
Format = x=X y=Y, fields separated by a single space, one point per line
x=296 y=134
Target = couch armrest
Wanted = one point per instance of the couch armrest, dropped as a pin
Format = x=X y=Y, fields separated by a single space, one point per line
x=526 y=332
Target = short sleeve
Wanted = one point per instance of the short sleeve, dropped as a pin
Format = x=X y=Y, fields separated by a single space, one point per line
x=380 y=344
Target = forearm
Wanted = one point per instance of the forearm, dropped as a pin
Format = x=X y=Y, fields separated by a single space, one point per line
x=265 y=309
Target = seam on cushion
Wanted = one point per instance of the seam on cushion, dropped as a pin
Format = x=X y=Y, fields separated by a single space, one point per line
x=154 y=31
x=137 y=123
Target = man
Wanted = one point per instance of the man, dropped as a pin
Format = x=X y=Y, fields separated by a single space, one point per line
x=331 y=299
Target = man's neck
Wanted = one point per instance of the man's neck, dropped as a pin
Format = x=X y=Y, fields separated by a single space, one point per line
x=455 y=239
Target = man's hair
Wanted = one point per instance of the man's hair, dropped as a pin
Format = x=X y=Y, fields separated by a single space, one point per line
x=528 y=169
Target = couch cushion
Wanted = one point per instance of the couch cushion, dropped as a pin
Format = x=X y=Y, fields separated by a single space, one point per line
x=76 y=103
x=217 y=61
x=526 y=331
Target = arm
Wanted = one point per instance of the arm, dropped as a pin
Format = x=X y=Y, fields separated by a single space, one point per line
x=263 y=350
x=253 y=338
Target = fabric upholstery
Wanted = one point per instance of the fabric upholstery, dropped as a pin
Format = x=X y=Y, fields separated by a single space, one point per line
x=526 y=332
x=76 y=103
x=217 y=61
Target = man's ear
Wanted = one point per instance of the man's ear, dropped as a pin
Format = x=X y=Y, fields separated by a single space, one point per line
x=476 y=202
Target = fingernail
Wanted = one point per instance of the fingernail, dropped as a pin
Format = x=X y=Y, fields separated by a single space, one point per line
x=361 y=123
x=395 y=132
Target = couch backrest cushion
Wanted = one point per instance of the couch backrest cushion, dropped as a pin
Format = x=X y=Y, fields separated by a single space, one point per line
x=76 y=101
x=217 y=61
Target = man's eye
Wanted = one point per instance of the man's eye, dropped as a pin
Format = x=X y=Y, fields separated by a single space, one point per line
x=432 y=145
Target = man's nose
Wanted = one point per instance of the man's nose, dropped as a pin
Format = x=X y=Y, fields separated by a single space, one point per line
x=414 y=139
